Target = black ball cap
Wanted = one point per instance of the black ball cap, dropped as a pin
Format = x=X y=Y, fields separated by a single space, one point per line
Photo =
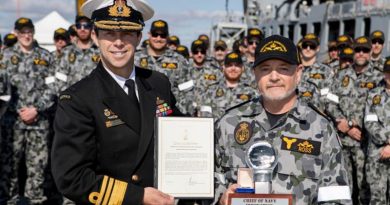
x=23 y=22
x=386 y=67
x=276 y=47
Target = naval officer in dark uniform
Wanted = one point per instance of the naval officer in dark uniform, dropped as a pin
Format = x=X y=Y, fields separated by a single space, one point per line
x=103 y=150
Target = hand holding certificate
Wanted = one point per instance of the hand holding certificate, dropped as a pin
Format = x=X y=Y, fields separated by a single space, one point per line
x=185 y=150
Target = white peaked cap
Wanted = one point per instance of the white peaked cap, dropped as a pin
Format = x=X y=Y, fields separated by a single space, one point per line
x=140 y=5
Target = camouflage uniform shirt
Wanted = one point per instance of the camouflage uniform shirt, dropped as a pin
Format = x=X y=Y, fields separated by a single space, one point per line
x=309 y=154
x=74 y=65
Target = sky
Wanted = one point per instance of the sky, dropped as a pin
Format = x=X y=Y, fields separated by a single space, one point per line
x=186 y=18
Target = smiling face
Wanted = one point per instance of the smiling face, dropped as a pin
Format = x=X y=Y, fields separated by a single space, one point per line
x=25 y=36
x=117 y=48
x=276 y=79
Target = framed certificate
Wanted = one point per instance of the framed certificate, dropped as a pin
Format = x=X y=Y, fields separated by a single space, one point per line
x=185 y=156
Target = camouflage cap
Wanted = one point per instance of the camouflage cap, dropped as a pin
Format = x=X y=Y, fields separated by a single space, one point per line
x=346 y=53
x=118 y=15
x=174 y=40
x=377 y=35
x=255 y=33
x=362 y=42
x=220 y=44
x=23 y=23
x=311 y=38
x=276 y=47
x=159 y=26
x=233 y=57
x=10 y=39
x=386 y=66
x=183 y=50
x=198 y=45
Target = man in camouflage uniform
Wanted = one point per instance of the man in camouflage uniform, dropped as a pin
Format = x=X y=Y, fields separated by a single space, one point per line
x=310 y=163
x=220 y=50
x=158 y=57
x=61 y=39
x=9 y=40
x=333 y=53
x=253 y=38
x=378 y=40
x=341 y=42
x=183 y=50
x=201 y=75
x=173 y=42
x=314 y=73
x=346 y=107
x=377 y=124
x=79 y=58
x=230 y=91
x=30 y=72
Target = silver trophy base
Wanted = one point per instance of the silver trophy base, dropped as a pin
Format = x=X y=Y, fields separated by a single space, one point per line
x=263 y=187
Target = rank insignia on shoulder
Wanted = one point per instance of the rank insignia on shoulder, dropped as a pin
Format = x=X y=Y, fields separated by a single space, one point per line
x=210 y=77
x=317 y=76
x=243 y=97
x=376 y=100
x=144 y=63
x=370 y=85
x=14 y=60
x=300 y=145
x=243 y=133
x=220 y=92
x=72 y=57
x=169 y=66
x=95 y=58
x=345 y=81
x=65 y=97
x=307 y=94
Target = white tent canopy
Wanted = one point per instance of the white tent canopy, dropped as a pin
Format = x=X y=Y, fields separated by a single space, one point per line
x=44 y=29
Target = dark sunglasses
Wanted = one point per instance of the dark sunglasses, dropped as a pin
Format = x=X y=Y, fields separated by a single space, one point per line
x=311 y=46
x=199 y=51
x=219 y=49
x=83 y=25
x=380 y=41
x=333 y=49
x=365 y=50
x=162 y=35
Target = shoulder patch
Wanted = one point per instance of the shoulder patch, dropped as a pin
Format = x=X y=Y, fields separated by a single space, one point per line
x=219 y=92
x=14 y=60
x=144 y=63
x=376 y=100
x=95 y=58
x=300 y=145
x=243 y=133
x=345 y=81
x=72 y=57
x=244 y=97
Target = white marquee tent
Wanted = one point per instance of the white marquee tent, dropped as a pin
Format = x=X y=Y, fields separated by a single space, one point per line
x=44 y=29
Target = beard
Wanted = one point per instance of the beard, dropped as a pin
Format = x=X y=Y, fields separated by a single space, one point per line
x=281 y=97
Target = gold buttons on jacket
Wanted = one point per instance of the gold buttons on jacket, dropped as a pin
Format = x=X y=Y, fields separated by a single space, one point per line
x=135 y=178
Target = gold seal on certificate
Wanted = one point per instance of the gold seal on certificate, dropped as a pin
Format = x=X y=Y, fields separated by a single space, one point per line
x=185 y=157
x=256 y=182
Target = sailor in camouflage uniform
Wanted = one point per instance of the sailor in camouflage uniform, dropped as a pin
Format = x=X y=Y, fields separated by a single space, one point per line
x=220 y=51
x=31 y=75
x=377 y=124
x=230 y=91
x=314 y=73
x=346 y=107
x=333 y=54
x=341 y=42
x=378 y=40
x=158 y=57
x=79 y=58
x=310 y=163
x=253 y=38
x=61 y=40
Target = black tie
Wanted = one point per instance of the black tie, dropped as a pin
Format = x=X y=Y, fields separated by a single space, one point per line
x=133 y=98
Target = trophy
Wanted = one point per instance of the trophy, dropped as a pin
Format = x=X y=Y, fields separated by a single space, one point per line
x=262 y=159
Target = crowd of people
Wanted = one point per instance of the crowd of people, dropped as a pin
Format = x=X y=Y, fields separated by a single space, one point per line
x=209 y=79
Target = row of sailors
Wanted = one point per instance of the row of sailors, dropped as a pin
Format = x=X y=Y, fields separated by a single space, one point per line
x=203 y=86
